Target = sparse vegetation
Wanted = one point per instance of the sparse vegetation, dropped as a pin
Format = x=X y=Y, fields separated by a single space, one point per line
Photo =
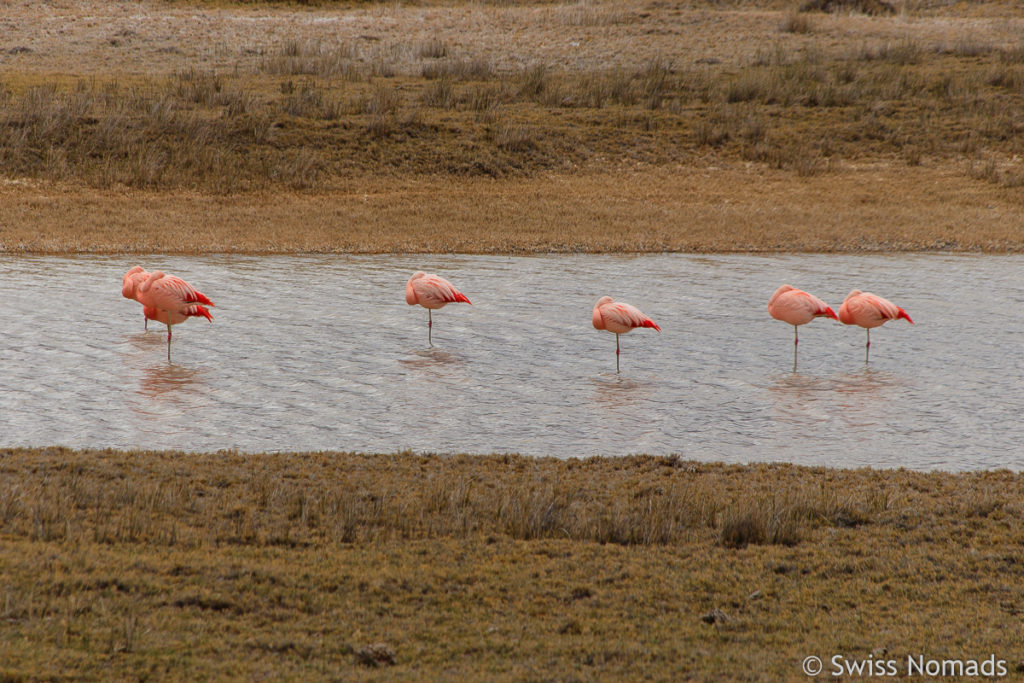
x=334 y=115
x=238 y=132
x=482 y=567
x=869 y=7
x=794 y=22
x=345 y=498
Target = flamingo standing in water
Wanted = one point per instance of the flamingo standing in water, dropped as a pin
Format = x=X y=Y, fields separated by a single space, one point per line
x=620 y=318
x=133 y=279
x=869 y=310
x=797 y=307
x=432 y=292
x=171 y=300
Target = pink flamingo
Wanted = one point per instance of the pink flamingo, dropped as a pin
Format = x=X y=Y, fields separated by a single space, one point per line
x=797 y=307
x=130 y=287
x=620 y=318
x=869 y=310
x=171 y=300
x=432 y=292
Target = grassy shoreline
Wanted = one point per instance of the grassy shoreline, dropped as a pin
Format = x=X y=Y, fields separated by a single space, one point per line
x=179 y=565
x=511 y=128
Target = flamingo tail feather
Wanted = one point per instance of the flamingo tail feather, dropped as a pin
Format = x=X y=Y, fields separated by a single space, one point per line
x=201 y=311
x=200 y=298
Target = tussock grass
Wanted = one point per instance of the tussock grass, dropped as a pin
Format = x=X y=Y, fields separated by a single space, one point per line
x=794 y=22
x=111 y=498
x=1013 y=55
x=338 y=564
x=344 y=498
x=238 y=132
x=440 y=94
x=869 y=7
x=459 y=69
x=514 y=138
x=589 y=13
x=305 y=58
x=435 y=48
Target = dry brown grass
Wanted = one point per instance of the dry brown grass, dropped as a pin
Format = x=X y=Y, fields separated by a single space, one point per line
x=872 y=208
x=313 y=129
x=230 y=565
x=306 y=499
x=228 y=134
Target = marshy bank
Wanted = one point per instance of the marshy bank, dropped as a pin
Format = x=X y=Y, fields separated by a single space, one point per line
x=336 y=564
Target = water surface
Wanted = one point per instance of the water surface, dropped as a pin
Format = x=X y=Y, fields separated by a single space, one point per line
x=322 y=353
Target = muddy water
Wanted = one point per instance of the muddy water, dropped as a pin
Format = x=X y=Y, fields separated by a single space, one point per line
x=317 y=353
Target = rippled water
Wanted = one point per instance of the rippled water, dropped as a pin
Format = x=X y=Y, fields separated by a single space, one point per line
x=318 y=353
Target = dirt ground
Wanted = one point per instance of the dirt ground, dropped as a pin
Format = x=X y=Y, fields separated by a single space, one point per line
x=96 y=37
x=864 y=209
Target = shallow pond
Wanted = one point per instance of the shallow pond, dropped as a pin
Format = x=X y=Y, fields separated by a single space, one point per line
x=323 y=353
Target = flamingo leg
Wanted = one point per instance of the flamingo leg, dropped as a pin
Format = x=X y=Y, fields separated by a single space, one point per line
x=145 y=322
x=796 y=340
x=168 y=342
x=616 y=352
x=430 y=325
x=867 y=347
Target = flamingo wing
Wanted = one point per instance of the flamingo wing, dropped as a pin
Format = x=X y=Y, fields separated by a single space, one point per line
x=171 y=293
x=869 y=310
x=433 y=290
x=877 y=307
x=177 y=297
x=444 y=290
x=886 y=309
x=796 y=306
x=179 y=289
x=814 y=306
x=618 y=314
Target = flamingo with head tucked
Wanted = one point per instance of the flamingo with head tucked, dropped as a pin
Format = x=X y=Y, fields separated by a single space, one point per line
x=171 y=300
x=620 y=318
x=797 y=307
x=432 y=292
x=869 y=310
x=130 y=287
